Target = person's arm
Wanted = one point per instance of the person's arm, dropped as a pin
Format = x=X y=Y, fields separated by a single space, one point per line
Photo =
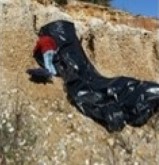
x=48 y=61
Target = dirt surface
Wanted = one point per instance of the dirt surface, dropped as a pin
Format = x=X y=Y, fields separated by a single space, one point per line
x=85 y=11
x=38 y=125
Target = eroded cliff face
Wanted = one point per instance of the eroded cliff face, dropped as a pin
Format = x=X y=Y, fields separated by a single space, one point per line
x=37 y=123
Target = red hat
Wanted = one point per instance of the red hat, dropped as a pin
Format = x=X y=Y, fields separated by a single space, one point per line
x=45 y=43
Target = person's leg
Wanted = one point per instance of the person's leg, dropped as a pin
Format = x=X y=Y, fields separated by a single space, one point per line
x=48 y=61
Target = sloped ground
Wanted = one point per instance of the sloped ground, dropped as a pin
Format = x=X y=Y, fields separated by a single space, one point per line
x=85 y=11
x=37 y=123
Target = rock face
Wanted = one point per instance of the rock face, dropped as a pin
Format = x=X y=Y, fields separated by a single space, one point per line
x=37 y=123
x=122 y=50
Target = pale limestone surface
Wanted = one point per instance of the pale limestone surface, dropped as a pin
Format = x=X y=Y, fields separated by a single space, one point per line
x=38 y=126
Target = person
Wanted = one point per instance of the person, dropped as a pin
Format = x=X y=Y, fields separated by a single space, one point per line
x=44 y=52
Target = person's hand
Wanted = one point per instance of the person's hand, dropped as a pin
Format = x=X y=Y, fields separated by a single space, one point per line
x=40 y=75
